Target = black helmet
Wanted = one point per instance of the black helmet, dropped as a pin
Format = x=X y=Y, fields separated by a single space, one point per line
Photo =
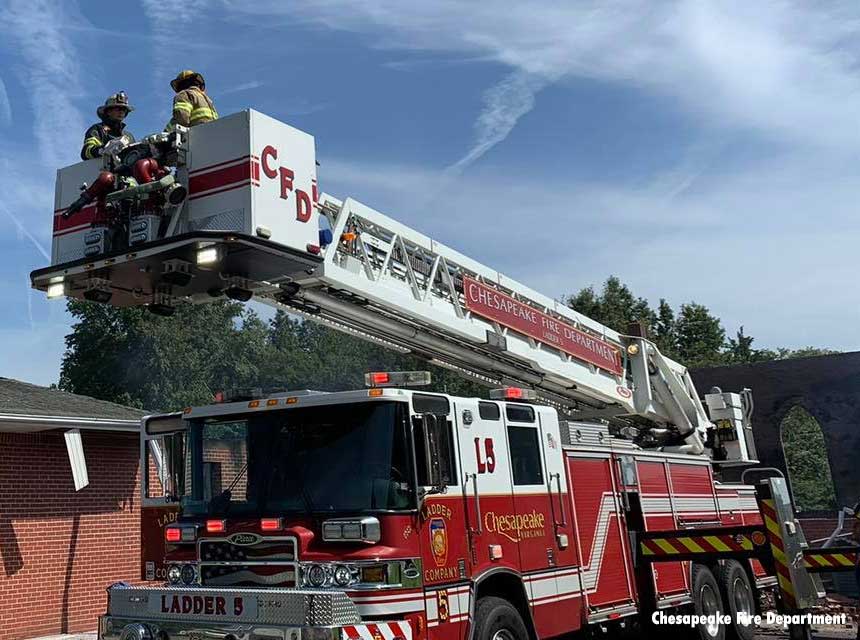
x=116 y=100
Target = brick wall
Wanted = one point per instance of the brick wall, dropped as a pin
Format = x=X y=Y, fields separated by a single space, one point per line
x=230 y=456
x=60 y=549
x=819 y=524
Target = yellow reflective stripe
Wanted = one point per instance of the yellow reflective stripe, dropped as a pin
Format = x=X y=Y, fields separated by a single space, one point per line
x=819 y=559
x=183 y=106
x=92 y=141
x=691 y=545
x=843 y=560
x=203 y=112
x=716 y=543
x=665 y=546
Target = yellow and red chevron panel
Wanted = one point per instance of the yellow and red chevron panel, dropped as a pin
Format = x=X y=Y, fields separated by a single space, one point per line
x=777 y=548
x=695 y=543
x=831 y=559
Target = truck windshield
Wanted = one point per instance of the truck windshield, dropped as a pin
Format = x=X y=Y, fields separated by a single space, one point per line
x=333 y=458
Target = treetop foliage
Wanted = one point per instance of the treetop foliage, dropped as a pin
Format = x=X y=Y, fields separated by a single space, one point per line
x=692 y=336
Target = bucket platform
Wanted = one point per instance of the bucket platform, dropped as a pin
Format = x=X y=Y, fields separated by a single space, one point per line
x=223 y=208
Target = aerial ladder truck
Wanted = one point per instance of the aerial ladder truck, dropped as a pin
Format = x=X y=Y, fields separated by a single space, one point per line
x=593 y=489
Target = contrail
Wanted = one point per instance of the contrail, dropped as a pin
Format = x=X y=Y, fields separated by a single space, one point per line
x=23 y=230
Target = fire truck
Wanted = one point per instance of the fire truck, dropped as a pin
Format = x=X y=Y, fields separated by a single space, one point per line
x=593 y=489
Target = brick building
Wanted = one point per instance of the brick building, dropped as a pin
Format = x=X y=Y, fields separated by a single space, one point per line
x=69 y=508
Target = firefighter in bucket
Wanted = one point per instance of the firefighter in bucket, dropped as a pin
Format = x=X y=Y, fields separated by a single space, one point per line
x=112 y=114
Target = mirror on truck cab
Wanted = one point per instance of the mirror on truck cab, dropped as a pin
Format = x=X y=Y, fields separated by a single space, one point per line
x=163 y=453
x=434 y=454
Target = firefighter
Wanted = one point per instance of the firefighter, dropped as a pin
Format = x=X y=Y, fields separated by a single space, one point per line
x=111 y=113
x=191 y=104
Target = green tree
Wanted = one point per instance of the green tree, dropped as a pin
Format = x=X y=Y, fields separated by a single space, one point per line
x=700 y=336
x=807 y=461
x=310 y=355
x=134 y=357
x=616 y=306
x=666 y=331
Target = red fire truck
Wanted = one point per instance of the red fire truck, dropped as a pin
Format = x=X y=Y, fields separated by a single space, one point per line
x=592 y=490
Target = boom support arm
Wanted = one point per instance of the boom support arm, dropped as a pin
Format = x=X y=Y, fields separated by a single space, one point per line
x=385 y=281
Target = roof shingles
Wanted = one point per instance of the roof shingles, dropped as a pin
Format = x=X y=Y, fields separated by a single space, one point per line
x=23 y=398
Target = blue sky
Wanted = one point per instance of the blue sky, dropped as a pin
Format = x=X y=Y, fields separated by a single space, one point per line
x=704 y=151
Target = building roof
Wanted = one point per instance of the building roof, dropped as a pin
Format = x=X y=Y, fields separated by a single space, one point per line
x=25 y=399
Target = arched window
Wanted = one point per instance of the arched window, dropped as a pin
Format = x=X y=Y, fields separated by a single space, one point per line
x=807 y=461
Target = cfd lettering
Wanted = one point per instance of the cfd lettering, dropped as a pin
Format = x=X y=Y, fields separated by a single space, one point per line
x=286 y=176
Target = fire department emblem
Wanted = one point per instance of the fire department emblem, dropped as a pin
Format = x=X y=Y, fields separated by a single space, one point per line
x=439 y=541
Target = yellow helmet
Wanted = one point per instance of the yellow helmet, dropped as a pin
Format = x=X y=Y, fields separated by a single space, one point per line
x=186 y=75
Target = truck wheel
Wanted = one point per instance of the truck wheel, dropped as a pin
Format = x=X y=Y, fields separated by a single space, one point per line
x=497 y=619
x=707 y=601
x=739 y=597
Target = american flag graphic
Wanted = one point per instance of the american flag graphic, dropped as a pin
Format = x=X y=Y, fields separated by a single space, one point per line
x=267 y=563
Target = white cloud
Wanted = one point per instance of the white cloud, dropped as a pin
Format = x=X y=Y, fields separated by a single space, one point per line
x=51 y=71
x=173 y=28
x=5 y=107
x=748 y=246
x=245 y=86
x=766 y=242
x=504 y=105
x=784 y=69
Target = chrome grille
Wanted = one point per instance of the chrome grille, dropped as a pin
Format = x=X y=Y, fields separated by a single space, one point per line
x=269 y=562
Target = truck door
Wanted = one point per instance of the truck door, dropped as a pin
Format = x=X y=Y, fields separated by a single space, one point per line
x=162 y=453
x=485 y=478
x=547 y=555
x=442 y=525
x=607 y=569
x=528 y=476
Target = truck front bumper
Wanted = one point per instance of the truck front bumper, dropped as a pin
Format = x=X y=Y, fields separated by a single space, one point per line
x=200 y=613
x=116 y=628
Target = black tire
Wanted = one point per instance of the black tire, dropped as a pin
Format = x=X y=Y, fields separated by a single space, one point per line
x=496 y=616
x=739 y=597
x=707 y=601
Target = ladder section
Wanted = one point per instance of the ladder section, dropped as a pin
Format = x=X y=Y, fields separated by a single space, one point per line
x=388 y=282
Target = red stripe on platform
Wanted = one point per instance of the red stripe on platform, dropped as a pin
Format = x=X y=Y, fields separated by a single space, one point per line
x=219 y=178
x=216 y=165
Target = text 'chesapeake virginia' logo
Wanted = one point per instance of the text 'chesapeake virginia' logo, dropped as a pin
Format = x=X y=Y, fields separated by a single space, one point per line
x=516 y=526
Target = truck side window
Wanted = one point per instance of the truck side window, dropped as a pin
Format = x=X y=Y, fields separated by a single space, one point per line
x=519 y=413
x=525 y=455
x=447 y=448
x=489 y=411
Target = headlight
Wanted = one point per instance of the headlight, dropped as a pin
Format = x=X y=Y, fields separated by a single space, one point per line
x=342 y=575
x=174 y=574
x=189 y=575
x=315 y=575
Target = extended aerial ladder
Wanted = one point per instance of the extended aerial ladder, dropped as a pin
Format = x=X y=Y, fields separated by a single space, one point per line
x=376 y=278
x=385 y=281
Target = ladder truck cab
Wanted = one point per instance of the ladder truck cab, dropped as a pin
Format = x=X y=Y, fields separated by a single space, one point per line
x=594 y=489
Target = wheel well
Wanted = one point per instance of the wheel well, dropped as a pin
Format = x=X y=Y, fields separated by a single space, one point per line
x=509 y=587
